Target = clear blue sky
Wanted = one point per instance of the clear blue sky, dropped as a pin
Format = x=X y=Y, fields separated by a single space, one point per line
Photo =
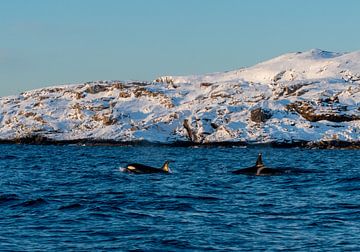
x=45 y=42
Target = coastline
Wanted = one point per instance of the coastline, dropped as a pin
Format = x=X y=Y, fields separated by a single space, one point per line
x=41 y=140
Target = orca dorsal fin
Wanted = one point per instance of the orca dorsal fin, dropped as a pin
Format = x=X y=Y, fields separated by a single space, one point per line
x=165 y=166
x=259 y=161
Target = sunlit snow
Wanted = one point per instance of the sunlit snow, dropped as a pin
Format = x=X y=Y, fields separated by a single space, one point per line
x=309 y=96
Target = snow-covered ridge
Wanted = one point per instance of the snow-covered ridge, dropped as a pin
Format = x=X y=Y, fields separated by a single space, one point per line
x=312 y=96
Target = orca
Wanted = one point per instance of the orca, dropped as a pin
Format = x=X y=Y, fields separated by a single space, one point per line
x=144 y=169
x=259 y=169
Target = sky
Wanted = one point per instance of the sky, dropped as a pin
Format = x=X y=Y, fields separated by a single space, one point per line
x=46 y=43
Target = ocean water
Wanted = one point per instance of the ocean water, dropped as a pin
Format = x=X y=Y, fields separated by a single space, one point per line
x=76 y=198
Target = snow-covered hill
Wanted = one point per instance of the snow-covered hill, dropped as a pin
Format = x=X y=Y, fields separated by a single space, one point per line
x=312 y=96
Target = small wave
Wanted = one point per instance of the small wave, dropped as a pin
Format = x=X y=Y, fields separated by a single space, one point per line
x=138 y=215
x=180 y=244
x=204 y=198
x=349 y=184
x=4 y=198
x=117 y=194
x=349 y=206
x=101 y=215
x=35 y=167
x=351 y=179
x=33 y=203
x=71 y=206
x=122 y=169
x=175 y=207
x=349 y=188
x=8 y=157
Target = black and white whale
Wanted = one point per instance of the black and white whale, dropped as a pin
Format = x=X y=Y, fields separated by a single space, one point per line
x=260 y=169
x=143 y=169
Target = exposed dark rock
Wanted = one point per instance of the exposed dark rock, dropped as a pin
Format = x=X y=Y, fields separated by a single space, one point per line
x=109 y=120
x=143 y=92
x=165 y=79
x=94 y=89
x=117 y=85
x=278 y=76
x=33 y=139
x=306 y=110
x=79 y=95
x=42 y=140
x=334 y=144
x=214 y=125
x=124 y=94
x=191 y=135
x=139 y=83
x=289 y=90
x=205 y=84
x=260 y=115
x=330 y=100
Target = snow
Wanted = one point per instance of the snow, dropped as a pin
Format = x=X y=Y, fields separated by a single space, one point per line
x=217 y=106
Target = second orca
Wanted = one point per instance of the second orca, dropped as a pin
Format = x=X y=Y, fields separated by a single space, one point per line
x=259 y=169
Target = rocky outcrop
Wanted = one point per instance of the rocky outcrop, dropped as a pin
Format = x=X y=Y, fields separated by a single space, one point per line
x=190 y=134
x=260 y=115
x=307 y=111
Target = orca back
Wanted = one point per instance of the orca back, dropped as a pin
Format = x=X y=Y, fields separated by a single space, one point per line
x=140 y=169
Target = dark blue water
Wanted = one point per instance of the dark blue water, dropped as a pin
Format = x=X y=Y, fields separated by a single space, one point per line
x=75 y=198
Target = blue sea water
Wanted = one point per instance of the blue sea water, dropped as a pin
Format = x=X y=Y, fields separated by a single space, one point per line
x=76 y=198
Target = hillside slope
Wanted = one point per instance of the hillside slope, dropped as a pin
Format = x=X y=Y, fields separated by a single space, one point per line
x=312 y=96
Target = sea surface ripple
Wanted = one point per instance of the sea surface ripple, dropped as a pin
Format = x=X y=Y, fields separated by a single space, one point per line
x=76 y=198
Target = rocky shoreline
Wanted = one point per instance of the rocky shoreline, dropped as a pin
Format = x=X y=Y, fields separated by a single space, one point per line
x=41 y=140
